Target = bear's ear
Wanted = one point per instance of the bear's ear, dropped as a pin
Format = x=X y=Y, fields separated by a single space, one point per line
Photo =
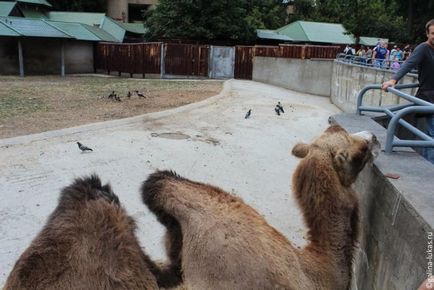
x=300 y=150
x=341 y=157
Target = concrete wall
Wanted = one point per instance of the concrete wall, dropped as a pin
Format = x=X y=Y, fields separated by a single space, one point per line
x=79 y=57
x=43 y=56
x=347 y=80
x=396 y=216
x=311 y=76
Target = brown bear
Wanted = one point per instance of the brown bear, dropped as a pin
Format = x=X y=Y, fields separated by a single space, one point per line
x=88 y=242
x=220 y=242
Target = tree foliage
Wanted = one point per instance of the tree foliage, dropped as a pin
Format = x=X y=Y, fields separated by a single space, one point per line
x=213 y=19
x=398 y=20
x=392 y=19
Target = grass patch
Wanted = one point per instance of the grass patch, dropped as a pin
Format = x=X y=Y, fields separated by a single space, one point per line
x=11 y=106
x=39 y=103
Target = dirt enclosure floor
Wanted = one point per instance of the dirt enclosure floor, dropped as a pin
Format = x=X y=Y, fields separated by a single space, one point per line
x=37 y=104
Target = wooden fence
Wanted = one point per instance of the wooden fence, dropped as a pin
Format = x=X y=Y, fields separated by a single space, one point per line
x=186 y=59
x=193 y=59
x=132 y=58
x=244 y=55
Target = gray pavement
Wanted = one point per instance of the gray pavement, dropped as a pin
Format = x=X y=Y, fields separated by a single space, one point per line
x=208 y=142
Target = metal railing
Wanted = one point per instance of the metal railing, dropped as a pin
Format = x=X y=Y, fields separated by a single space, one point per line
x=397 y=112
x=386 y=64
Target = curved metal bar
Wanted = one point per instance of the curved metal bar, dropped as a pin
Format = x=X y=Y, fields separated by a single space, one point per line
x=391 y=129
x=394 y=90
x=362 y=94
x=406 y=86
x=409 y=97
x=397 y=112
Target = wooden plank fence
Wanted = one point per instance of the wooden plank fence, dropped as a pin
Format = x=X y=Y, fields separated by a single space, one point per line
x=193 y=59
x=186 y=59
x=135 y=58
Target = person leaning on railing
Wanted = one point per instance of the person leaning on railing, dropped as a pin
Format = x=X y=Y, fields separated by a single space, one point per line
x=422 y=58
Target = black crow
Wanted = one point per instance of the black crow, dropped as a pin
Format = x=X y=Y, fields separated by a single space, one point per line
x=140 y=95
x=248 y=114
x=83 y=147
x=279 y=106
x=277 y=110
x=112 y=95
x=129 y=94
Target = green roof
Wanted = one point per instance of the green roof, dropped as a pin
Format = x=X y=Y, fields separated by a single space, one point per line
x=37 y=2
x=32 y=27
x=94 y=19
x=101 y=33
x=137 y=28
x=6 y=8
x=75 y=30
x=115 y=29
x=6 y=30
x=370 y=41
x=316 y=32
x=272 y=34
x=30 y=13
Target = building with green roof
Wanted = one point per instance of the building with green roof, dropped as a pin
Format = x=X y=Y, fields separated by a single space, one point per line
x=316 y=32
x=40 y=9
x=313 y=32
x=45 y=41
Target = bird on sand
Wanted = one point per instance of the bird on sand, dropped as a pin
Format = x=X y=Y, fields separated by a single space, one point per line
x=277 y=110
x=280 y=107
x=83 y=148
x=112 y=95
x=129 y=94
x=140 y=95
x=248 y=114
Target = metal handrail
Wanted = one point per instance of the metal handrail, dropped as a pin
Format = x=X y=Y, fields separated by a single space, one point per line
x=369 y=62
x=397 y=112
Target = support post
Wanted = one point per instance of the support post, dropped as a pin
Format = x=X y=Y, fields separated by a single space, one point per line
x=162 y=56
x=62 y=59
x=210 y=62
x=20 y=58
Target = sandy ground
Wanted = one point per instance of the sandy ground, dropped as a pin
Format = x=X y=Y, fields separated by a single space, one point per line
x=37 y=104
x=209 y=141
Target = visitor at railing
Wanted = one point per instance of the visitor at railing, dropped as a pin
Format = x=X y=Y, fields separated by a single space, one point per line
x=381 y=54
x=423 y=59
x=369 y=61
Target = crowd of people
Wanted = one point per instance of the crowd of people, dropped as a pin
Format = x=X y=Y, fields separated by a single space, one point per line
x=379 y=56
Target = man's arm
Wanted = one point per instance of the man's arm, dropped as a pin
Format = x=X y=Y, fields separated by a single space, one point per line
x=413 y=61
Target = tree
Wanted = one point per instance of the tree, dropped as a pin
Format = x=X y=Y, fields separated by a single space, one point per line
x=79 y=5
x=372 y=18
x=376 y=18
x=417 y=13
x=213 y=19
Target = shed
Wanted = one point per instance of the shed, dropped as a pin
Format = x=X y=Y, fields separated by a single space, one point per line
x=46 y=46
x=316 y=32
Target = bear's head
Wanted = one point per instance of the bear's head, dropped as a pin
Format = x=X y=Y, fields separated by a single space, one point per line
x=346 y=153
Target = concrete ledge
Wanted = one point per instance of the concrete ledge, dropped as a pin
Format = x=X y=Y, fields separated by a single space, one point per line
x=396 y=215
